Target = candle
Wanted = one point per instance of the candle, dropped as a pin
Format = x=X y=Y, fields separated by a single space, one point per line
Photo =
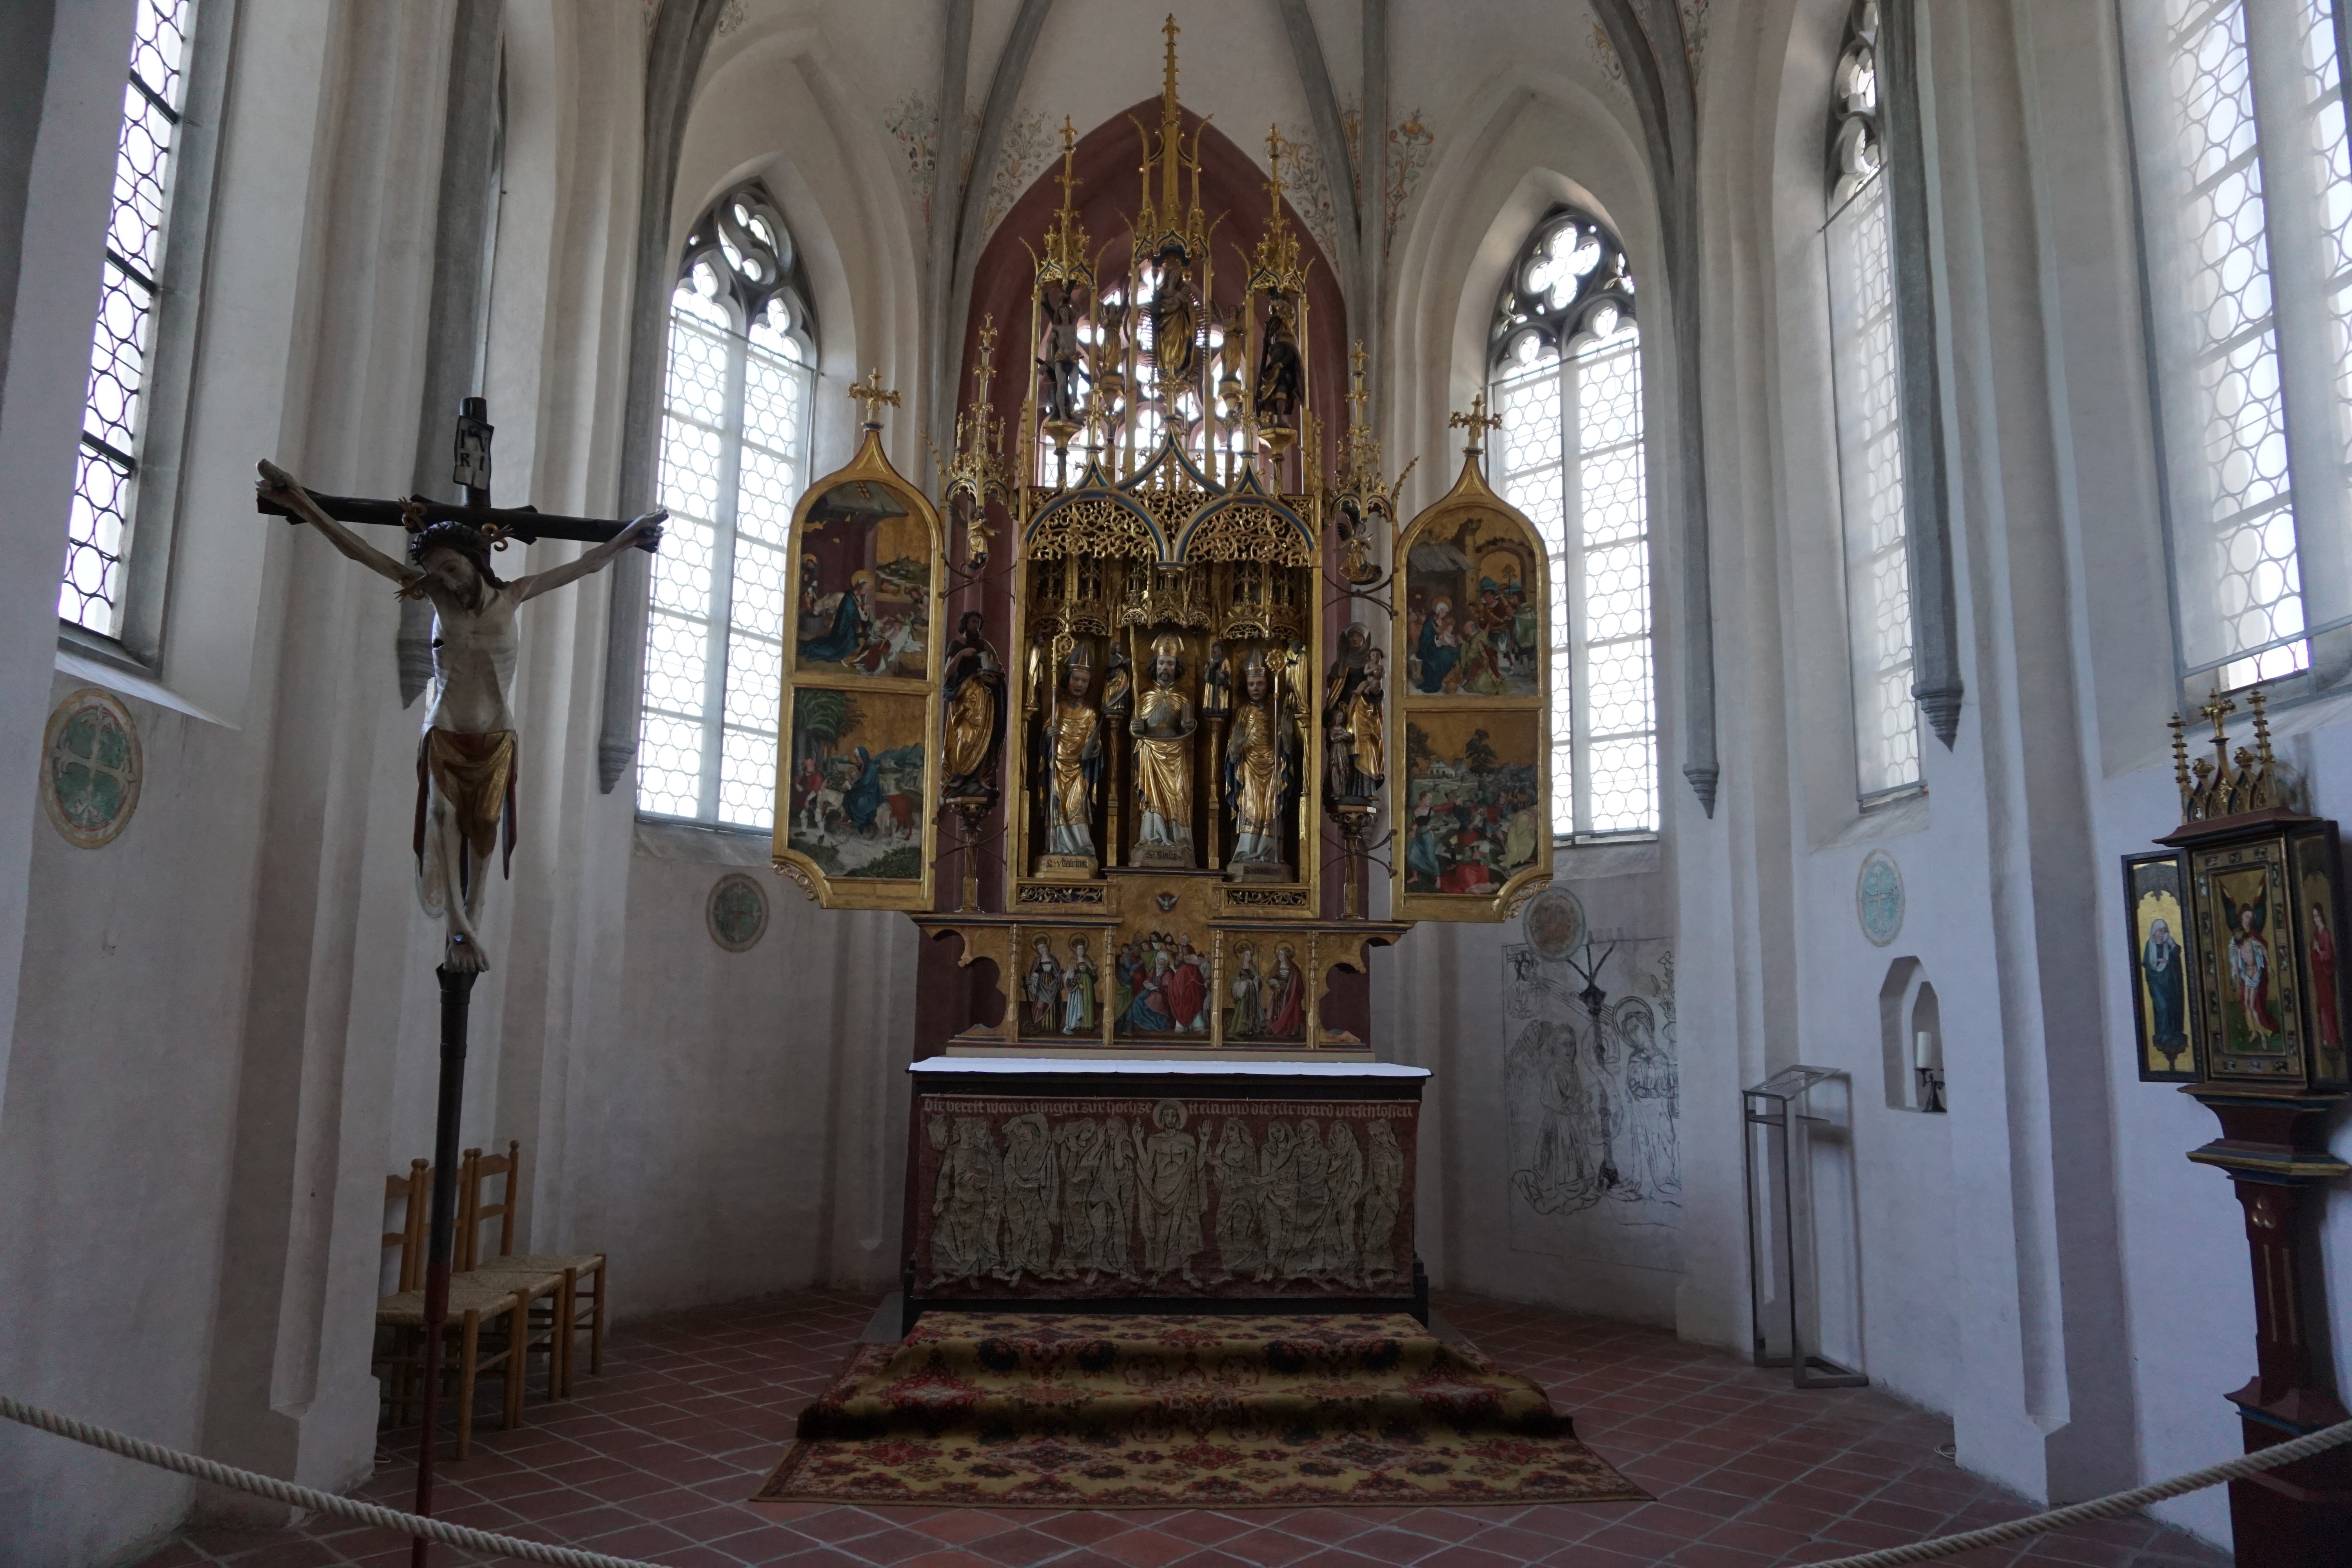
x=1920 y=1049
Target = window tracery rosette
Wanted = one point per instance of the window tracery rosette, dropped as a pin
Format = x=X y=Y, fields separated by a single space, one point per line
x=1570 y=286
x=1471 y=750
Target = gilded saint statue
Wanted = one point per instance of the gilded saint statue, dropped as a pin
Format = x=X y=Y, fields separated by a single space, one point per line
x=1163 y=728
x=1071 y=751
x=1257 y=771
x=1175 y=321
x=973 y=689
x=1355 y=730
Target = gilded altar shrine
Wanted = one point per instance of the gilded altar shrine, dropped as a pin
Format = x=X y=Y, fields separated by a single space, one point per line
x=1136 y=713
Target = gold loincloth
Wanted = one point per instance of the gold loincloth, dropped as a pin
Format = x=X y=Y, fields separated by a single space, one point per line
x=476 y=774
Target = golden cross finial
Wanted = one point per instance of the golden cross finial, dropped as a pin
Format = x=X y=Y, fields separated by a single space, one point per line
x=1477 y=421
x=870 y=397
x=2217 y=708
x=1357 y=395
x=1273 y=160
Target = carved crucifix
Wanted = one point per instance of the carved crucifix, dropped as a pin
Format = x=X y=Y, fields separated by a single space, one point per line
x=465 y=763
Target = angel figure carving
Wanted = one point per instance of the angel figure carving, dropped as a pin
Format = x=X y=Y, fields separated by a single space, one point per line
x=465 y=758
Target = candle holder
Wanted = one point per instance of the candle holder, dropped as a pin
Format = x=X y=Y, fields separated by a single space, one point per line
x=1931 y=1089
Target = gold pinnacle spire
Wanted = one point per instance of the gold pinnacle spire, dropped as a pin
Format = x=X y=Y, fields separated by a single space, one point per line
x=1066 y=242
x=1357 y=395
x=1171 y=128
x=986 y=372
x=871 y=399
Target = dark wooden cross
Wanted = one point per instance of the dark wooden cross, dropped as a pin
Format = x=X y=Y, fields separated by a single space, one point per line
x=527 y=525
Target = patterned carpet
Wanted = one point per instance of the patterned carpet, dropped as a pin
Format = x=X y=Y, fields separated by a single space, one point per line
x=1015 y=1410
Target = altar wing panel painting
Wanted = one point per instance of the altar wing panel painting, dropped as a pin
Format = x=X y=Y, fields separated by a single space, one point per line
x=2158 y=926
x=857 y=794
x=1472 y=750
x=2246 y=992
x=865 y=591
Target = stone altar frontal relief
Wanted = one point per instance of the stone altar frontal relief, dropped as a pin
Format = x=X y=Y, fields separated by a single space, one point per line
x=1067 y=1197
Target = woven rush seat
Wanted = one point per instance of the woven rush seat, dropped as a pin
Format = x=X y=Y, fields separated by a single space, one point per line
x=408 y=1307
x=558 y=1278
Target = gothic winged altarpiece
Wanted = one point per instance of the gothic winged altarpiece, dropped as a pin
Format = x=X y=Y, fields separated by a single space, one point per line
x=1164 y=662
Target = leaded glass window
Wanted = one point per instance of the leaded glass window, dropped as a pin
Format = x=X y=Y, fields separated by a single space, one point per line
x=734 y=459
x=98 y=540
x=2246 y=224
x=1865 y=374
x=1566 y=376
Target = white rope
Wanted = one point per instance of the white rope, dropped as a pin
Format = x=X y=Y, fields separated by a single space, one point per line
x=270 y=1486
x=2270 y=1458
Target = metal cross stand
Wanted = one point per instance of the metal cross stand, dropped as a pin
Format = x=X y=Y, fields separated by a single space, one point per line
x=1775 y=1105
x=472 y=475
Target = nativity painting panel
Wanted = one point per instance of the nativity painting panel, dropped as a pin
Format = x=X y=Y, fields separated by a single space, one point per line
x=863 y=594
x=1473 y=614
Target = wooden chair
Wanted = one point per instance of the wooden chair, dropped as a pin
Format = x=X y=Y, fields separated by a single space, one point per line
x=575 y=1271
x=489 y=1319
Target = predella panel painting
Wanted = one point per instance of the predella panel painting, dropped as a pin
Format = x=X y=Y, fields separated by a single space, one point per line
x=1473 y=801
x=865 y=585
x=855 y=772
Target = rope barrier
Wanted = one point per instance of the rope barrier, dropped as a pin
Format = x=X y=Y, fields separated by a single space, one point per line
x=2108 y=1507
x=482 y=1541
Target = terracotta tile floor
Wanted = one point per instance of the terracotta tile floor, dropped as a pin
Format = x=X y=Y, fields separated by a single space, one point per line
x=652 y=1458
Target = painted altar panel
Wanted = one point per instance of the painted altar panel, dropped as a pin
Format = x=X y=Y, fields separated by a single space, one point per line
x=1473 y=744
x=2254 y=1017
x=856 y=794
x=1082 y=1197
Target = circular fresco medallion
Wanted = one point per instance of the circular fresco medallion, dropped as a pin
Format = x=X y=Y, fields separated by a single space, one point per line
x=737 y=913
x=1554 y=922
x=1878 y=898
x=90 y=767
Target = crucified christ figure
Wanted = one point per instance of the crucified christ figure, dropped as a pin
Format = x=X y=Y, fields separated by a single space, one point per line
x=466 y=762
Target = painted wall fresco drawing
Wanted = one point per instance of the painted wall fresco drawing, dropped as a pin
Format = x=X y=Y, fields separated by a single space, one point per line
x=1592 y=1095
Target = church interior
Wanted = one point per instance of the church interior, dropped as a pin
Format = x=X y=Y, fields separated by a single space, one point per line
x=950 y=781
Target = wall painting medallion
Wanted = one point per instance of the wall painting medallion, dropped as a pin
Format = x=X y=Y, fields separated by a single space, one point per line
x=1554 y=924
x=91 y=767
x=1473 y=751
x=857 y=796
x=2164 y=1023
x=1878 y=898
x=737 y=912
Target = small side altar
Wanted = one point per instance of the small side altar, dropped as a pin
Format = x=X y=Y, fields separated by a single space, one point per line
x=1146 y=1184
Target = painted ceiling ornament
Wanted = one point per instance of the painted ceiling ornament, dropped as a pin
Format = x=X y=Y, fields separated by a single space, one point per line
x=91 y=768
x=737 y=912
x=1878 y=898
x=1555 y=923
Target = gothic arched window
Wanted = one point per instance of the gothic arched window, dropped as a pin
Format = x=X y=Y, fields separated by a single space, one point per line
x=1565 y=372
x=93 y=587
x=2245 y=195
x=737 y=393
x=1866 y=371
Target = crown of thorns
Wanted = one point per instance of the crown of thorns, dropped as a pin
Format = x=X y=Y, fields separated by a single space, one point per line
x=474 y=543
